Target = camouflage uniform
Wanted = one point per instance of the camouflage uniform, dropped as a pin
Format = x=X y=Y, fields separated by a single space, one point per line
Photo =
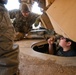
x=8 y=56
x=22 y=24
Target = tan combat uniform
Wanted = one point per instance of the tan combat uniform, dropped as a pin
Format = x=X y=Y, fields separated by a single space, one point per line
x=8 y=51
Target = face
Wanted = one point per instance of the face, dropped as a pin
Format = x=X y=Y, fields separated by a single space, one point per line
x=63 y=42
x=25 y=14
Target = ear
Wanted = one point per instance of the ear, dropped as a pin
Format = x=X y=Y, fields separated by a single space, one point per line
x=69 y=43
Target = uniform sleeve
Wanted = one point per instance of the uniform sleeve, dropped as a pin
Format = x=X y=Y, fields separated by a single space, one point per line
x=33 y=17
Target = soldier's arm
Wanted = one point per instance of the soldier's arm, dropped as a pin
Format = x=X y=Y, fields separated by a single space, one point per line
x=6 y=32
x=35 y=16
x=52 y=45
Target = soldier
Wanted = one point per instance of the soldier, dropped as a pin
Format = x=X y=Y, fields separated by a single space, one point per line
x=23 y=20
x=8 y=51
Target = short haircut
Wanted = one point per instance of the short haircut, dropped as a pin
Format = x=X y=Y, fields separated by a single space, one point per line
x=24 y=7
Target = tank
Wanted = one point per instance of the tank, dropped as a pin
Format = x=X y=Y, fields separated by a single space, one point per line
x=62 y=15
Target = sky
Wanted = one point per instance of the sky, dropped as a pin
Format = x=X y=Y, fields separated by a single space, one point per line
x=36 y=9
x=14 y=4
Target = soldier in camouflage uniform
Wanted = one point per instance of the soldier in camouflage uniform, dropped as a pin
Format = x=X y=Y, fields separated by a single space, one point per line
x=23 y=20
x=8 y=51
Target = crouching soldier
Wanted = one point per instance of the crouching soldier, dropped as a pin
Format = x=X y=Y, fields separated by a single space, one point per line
x=8 y=51
x=23 y=20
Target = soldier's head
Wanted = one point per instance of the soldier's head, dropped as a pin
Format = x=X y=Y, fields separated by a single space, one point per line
x=3 y=1
x=24 y=9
